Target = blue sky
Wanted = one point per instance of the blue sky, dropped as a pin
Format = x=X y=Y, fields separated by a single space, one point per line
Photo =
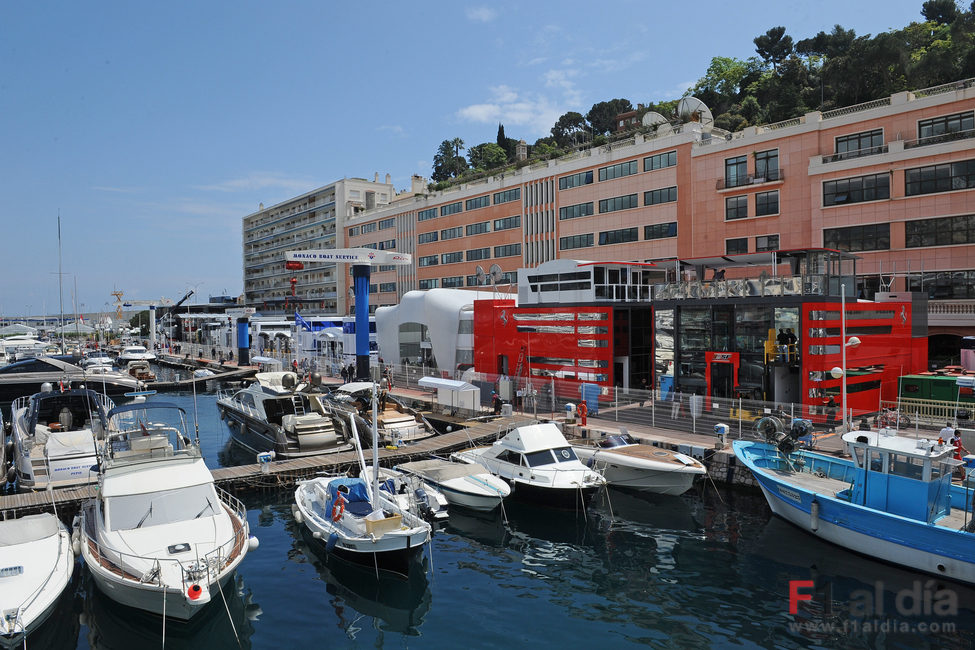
x=155 y=127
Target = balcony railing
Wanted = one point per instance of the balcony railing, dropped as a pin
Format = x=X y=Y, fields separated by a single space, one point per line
x=750 y=179
x=938 y=139
x=857 y=153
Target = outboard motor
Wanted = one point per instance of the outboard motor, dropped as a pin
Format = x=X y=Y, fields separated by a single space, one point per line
x=776 y=434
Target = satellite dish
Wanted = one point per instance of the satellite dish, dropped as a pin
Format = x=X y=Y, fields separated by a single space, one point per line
x=692 y=109
x=481 y=275
x=657 y=122
x=497 y=275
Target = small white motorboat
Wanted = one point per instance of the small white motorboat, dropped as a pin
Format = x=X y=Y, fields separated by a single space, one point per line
x=36 y=564
x=411 y=492
x=468 y=485
x=628 y=464
x=539 y=465
x=134 y=353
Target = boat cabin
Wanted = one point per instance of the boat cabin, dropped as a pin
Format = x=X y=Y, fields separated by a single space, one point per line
x=902 y=476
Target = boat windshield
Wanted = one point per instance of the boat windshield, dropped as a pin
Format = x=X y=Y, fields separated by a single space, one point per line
x=565 y=454
x=165 y=507
x=539 y=458
x=616 y=440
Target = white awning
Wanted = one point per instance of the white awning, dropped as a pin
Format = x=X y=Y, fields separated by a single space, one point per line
x=448 y=384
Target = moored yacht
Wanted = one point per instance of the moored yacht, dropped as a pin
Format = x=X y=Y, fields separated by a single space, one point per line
x=397 y=423
x=26 y=378
x=134 y=353
x=630 y=465
x=539 y=465
x=468 y=485
x=159 y=536
x=55 y=437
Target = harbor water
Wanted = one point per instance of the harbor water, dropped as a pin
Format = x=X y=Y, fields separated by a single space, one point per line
x=712 y=568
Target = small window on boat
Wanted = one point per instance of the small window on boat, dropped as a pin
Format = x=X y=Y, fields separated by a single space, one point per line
x=539 y=458
x=565 y=454
x=858 y=453
x=508 y=456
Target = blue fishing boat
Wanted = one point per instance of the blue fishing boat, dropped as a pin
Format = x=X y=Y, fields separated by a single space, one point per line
x=893 y=500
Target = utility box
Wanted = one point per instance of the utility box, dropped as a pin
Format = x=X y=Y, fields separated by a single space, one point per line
x=380 y=527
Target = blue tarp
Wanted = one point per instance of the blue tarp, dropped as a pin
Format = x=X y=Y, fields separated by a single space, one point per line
x=357 y=490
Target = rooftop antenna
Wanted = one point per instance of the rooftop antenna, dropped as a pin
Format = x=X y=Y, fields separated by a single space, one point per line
x=657 y=123
x=692 y=109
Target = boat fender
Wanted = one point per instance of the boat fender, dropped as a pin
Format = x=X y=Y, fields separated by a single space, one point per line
x=338 y=509
x=253 y=543
x=194 y=592
x=76 y=542
x=297 y=514
x=317 y=534
x=814 y=516
x=332 y=541
x=11 y=474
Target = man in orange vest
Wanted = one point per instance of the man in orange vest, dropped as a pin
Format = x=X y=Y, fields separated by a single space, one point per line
x=583 y=411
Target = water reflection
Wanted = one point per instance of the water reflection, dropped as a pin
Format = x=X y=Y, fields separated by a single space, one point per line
x=115 y=626
x=358 y=597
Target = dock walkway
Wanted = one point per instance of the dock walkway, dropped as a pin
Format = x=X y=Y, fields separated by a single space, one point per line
x=282 y=474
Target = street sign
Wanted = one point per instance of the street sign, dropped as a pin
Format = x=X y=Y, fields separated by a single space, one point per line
x=350 y=256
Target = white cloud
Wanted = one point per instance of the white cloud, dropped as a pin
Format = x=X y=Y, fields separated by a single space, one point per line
x=481 y=14
x=536 y=112
x=675 y=92
x=258 y=181
x=395 y=129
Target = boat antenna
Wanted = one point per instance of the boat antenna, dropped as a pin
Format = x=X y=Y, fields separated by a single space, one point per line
x=375 y=448
x=196 y=417
x=60 y=283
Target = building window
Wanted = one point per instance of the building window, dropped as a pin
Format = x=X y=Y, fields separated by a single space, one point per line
x=944 y=285
x=428 y=284
x=387 y=223
x=453 y=208
x=940 y=178
x=872 y=187
x=426 y=237
x=873 y=237
x=736 y=171
x=946 y=124
x=574 y=211
x=387 y=245
x=479 y=202
x=575 y=241
x=660 y=230
x=767 y=165
x=735 y=207
x=386 y=267
x=663 y=195
x=452 y=258
x=509 y=250
x=766 y=243
x=660 y=161
x=429 y=213
x=620 y=236
x=942 y=231
x=508 y=195
x=509 y=222
x=617 y=171
x=575 y=180
x=354 y=231
x=766 y=203
x=619 y=203
x=453 y=282
x=428 y=260
x=387 y=287
x=478 y=228
x=472 y=281
x=368 y=227
x=478 y=254
x=452 y=233
x=865 y=143
x=736 y=246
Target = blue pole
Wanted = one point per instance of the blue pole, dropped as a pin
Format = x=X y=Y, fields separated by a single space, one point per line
x=360 y=277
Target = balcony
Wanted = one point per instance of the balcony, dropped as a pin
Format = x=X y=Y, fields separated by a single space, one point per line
x=857 y=153
x=938 y=139
x=951 y=313
x=751 y=179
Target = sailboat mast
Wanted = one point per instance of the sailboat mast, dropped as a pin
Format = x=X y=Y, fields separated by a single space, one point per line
x=60 y=284
x=375 y=450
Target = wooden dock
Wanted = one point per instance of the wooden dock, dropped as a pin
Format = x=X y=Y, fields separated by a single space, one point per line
x=281 y=474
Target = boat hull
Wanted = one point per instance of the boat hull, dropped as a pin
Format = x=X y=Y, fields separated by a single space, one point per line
x=554 y=497
x=258 y=436
x=917 y=545
x=645 y=476
x=397 y=561
x=470 y=500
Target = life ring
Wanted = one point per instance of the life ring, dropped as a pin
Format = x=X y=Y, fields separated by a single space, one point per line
x=338 y=509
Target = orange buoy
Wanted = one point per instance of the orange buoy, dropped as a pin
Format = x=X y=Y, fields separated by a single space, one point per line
x=194 y=592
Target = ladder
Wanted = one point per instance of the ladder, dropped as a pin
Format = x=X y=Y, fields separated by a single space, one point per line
x=521 y=363
x=298 y=404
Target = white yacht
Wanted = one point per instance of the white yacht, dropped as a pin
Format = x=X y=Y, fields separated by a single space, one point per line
x=159 y=536
x=539 y=464
x=468 y=485
x=97 y=358
x=36 y=564
x=397 y=423
x=54 y=438
x=628 y=464
x=134 y=353
x=411 y=492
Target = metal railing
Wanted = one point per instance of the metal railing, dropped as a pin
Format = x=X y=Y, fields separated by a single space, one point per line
x=962 y=84
x=857 y=153
x=856 y=108
x=750 y=179
x=938 y=139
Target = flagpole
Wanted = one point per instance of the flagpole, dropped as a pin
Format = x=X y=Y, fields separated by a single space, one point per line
x=60 y=283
